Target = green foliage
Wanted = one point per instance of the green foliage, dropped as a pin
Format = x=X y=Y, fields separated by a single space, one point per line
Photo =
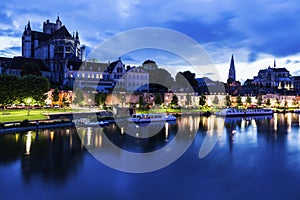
x=248 y=100
x=10 y=89
x=55 y=95
x=35 y=87
x=186 y=77
x=100 y=98
x=78 y=96
x=277 y=102
x=18 y=89
x=239 y=100
x=216 y=100
x=158 y=99
x=285 y=104
x=259 y=100
x=202 y=100
x=188 y=100
x=141 y=100
x=174 y=101
x=227 y=101
x=160 y=80
x=268 y=102
x=65 y=102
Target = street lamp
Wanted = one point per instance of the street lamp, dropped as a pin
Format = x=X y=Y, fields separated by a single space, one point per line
x=28 y=101
x=89 y=100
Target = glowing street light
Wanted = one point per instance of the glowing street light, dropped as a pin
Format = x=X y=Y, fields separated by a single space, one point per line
x=89 y=100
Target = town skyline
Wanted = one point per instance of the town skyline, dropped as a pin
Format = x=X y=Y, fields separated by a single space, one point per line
x=222 y=28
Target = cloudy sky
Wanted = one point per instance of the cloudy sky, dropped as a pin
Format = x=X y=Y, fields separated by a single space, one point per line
x=255 y=31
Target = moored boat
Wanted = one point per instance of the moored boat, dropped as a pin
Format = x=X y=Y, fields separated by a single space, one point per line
x=147 y=118
x=232 y=112
x=99 y=123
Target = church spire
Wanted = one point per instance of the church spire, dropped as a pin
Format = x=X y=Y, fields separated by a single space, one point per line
x=231 y=74
x=28 y=25
x=274 y=63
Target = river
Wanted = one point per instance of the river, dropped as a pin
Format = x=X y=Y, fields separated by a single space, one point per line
x=244 y=158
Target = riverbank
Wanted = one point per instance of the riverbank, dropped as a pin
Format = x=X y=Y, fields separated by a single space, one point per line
x=12 y=127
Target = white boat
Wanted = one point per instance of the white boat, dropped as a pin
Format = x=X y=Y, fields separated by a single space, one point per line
x=297 y=111
x=100 y=123
x=147 y=118
x=232 y=112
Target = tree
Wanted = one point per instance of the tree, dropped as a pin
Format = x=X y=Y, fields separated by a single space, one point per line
x=202 y=100
x=188 y=100
x=277 y=102
x=215 y=100
x=239 y=100
x=31 y=68
x=248 y=100
x=122 y=99
x=10 y=89
x=227 y=101
x=160 y=80
x=186 y=77
x=268 y=102
x=149 y=65
x=174 y=101
x=141 y=100
x=35 y=87
x=158 y=99
x=259 y=100
x=23 y=89
x=295 y=102
x=55 y=95
x=100 y=98
x=285 y=104
x=78 y=96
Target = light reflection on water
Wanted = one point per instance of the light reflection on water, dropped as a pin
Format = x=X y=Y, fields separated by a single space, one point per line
x=260 y=156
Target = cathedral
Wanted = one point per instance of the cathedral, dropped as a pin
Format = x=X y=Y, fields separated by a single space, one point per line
x=54 y=45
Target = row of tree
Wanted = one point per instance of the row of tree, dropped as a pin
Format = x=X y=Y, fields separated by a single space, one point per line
x=28 y=89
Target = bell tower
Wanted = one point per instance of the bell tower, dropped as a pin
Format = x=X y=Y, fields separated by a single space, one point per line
x=231 y=74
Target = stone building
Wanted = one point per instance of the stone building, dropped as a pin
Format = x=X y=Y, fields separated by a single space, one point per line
x=54 y=46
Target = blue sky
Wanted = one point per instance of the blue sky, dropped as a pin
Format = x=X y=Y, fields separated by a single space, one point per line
x=255 y=31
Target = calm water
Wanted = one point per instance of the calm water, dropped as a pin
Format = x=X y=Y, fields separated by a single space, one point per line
x=254 y=158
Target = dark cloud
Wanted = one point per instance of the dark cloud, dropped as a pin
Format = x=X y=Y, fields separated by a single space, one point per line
x=252 y=57
x=265 y=26
x=209 y=74
x=288 y=61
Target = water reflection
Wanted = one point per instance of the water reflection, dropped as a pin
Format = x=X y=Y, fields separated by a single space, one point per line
x=28 y=142
x=40 y=155
x=57 y=154
x=131 y=137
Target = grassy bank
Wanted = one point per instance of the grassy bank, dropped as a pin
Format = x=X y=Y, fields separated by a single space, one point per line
x=20 y=115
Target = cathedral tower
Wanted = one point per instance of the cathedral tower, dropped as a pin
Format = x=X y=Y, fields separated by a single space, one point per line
x=231 y=74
